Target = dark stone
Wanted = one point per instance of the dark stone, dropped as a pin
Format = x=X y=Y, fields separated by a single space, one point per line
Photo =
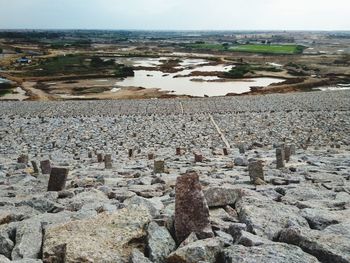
x=45 y=167
x=100 y=157
x=58 y=177
x=150 y=156
x=225 y=151
x=23 y=159
x=198 y=158
x=158 y=166
x=191 y=209
x=178 y=151
x=279 y=158
x=108 y=161
x=287 y=153
x=256 y=171
x=35 y=167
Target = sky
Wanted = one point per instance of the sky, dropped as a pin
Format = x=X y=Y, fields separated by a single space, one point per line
x=176 y=14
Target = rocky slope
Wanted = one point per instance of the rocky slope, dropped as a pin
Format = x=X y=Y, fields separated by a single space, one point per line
x=247 y=179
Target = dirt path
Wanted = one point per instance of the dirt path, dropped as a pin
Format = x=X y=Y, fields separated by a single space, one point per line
x=35 y=94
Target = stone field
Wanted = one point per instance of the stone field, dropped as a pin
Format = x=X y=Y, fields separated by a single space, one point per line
x=233 y=179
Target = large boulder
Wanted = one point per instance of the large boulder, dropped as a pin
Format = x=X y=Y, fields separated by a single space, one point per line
x=321 y=218
x=221 y=196
x=107 y=238
x=138 y=257
x=160 y=243
x=202 y=250
x=191 y=209
x=265 y=217
x=330 y=245
x=28 y=240
x=271 y=253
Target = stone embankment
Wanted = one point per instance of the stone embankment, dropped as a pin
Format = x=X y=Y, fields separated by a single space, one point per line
x=249 y=179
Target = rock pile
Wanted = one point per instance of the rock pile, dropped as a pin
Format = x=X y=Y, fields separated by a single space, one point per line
x=119 y=181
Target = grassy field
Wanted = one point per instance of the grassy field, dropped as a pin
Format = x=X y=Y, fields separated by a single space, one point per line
x=252 y=48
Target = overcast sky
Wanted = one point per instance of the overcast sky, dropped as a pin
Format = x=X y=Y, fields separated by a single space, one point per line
x=176 y=14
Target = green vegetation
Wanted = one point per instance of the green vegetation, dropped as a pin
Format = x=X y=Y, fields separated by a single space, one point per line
x=241 y=70
x=238 y=71
x=77 y=65
x=5 y=88
x=251 y=48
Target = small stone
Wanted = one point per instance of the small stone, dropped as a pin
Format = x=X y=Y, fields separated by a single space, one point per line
x=256 y=171
x=178 y=151
x=100 y=157
x=23 y=158
x=158 y=166
x=108 y=161
x=198 y=158
x=151 y=156
x=45 y=167
x=35 y=167
x=279 y=158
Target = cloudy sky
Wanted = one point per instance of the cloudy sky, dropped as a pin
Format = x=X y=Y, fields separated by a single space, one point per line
x=176 y=14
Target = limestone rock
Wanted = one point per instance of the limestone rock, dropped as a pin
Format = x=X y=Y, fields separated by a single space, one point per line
x=160 y=243
x=28 y=240
x=265 y=217
x=202 y=250
x=271 y=253
x=221 y=196
x=107 y=238
x=138 y=257
x=330 y=245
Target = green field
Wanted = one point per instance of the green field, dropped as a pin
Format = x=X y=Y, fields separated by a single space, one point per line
x=252 y=48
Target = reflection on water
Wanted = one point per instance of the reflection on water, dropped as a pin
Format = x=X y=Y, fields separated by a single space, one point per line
x=191 y=85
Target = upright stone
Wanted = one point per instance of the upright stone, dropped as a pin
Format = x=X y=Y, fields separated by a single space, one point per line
x=35 y=167
x=256 y=172
x=100 y=157
x=108 y=161
x=45 y=167
x=158 y=166
x=90 y=155
x=292 y=149
x=287 y=153
x=58 y=177
x=279 y=158
x=225 y=151
x=131 y=153
x=150 y=156
x=198 y=158
x=178 y=151
x=191 y=208
x=241 y=148
x=23 y=158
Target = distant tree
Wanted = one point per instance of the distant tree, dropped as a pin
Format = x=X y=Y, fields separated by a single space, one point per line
x=18 y=50
x=1 y=50
x=225 y=45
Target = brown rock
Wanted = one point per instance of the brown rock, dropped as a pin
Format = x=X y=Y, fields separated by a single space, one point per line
x=191 y=209
x=58 y=177
x=256 y=172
